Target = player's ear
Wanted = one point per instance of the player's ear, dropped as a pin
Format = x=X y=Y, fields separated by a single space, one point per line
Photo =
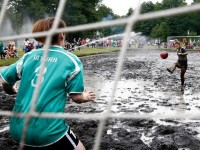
x=62 y=35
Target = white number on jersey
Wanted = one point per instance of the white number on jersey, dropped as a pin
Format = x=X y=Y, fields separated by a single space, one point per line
x=37 y=71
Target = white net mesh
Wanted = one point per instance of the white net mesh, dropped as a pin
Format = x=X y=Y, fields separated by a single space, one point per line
x=129 y=22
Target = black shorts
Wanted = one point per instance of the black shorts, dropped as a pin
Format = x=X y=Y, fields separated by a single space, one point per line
x=68 y=142
x=183 y=64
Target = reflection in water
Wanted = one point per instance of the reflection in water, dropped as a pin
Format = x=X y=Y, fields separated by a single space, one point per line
x=143 y=96
x=4 y=129
x=181 y=106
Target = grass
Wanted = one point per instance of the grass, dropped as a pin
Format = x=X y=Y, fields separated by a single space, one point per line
x=91 y=51
x=83 y=52
x=7 y=62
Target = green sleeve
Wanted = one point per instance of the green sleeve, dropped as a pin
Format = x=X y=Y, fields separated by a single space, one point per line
x=12 y=73
x=76 y=84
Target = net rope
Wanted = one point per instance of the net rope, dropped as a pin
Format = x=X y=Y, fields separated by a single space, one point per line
x=102 y=117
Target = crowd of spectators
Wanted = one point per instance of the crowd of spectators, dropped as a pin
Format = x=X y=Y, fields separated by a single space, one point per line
x=81 y=43
x=8 y=51
x=28 y=45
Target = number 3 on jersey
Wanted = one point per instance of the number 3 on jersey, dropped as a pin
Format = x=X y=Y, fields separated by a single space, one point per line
x=37 y=71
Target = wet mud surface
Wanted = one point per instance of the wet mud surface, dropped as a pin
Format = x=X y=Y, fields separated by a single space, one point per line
x=144 y=87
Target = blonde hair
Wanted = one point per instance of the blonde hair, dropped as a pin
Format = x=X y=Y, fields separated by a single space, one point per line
x=177 y=42
x=45 y=25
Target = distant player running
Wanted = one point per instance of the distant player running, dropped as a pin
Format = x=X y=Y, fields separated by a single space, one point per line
x=181 y=63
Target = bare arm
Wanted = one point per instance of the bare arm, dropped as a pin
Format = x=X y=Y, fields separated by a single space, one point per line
x=182 y=54
x=9 y=89
x=84 y=97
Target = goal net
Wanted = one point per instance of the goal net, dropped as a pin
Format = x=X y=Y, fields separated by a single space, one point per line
x=129 y=22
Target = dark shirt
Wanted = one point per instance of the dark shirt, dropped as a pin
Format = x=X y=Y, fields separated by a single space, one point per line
x=181 y=57
x=1 y=46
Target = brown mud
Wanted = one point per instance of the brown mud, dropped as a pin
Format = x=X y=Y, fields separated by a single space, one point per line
x=145 y=87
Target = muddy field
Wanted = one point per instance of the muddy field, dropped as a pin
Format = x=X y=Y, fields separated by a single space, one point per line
x=145 y=87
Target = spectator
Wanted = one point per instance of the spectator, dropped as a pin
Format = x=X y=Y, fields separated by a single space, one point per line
x=93 y=43
x=39 y=45
x=87 y=42
x=26 y=43
x=30 y=46
x=67 y=45
x=16 y=53
x=2 y=53
x=79 y=44
x=11 y=42
x=10 y=51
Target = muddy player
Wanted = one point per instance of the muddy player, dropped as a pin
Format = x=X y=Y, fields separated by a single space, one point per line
x=181 y=63
x=62 y=76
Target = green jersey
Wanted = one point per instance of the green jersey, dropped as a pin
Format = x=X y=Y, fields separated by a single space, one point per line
x=62 y=75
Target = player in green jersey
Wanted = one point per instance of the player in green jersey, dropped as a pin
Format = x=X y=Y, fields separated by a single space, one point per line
x=62 y=76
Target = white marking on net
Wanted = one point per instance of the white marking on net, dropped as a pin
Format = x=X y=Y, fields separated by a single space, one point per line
x=3 y=10
x=129 y=22
x=128 y=30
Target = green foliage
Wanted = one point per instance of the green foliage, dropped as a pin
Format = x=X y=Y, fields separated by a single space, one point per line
x=147 y=7
x=161 y=31
x=130 y=11
x=76 y=12
x=93 y=51
x=176 y=25
x=166 y=4
x=79 y=12
x=192 y=33
x=196 y=1
x=145 y=26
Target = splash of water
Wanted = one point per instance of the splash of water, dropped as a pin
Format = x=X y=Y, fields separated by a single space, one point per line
x=7 y=30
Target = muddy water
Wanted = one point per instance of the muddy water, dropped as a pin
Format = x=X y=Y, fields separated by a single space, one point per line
x=144 y=80
x=145 y=87
x=137 y=92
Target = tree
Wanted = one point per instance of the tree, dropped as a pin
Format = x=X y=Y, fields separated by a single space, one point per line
x=79 y=12
x=161 y=31
x=105 y=14
x=19 y=11
x=155 y=31
x=147 y=7
x=192 y=33
x=130 y=11
x=145 y=27
x=167 y=4
x=76 y=12
x=177 y=25
x=196 y=1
